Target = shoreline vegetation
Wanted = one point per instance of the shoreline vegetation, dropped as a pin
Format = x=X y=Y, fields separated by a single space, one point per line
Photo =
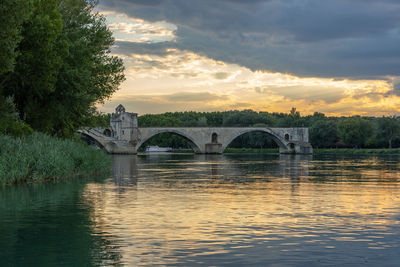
x=39 y=157
x=354 y=151
x=56 y=66
x=358 y=151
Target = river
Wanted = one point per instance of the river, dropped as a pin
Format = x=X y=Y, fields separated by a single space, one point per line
x=210 y=210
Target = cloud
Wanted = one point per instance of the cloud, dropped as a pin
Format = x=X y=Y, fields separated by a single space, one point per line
x=334 y=38
x=174 y=79
x=184 y=101
x=195 y=97
x=135 y=30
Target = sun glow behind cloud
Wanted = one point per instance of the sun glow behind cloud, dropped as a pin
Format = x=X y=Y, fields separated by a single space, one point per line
x=136 y=30
x=178 y=80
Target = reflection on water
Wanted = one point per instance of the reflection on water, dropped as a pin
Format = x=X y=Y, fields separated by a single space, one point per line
x=49 y=225
x=261 y=210
x=256 y=209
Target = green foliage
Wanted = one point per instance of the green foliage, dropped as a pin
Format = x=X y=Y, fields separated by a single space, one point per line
x=167 y=140
x=64 y=67
x=13 y=13
x=37 y=66
x=10 y=123
x=159 y=120
x=251 y=150
x=240 y=118
x=323 y=133
x=89 y=74
x=39 y=157
x=395 y=151
x=355 y=131
x=258 y=140
x=388 y=130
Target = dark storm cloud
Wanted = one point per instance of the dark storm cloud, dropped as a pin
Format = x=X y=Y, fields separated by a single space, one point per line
x=335 y=38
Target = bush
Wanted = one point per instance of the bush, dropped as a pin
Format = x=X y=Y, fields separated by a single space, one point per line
x=10 y=124
x=39 y=157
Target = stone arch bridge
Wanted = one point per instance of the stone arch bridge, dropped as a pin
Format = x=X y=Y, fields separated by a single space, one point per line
x=208 y=140
x=125 y=137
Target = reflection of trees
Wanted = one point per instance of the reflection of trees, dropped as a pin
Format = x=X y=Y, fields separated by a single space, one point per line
x=47 y=224
x=258 y=167
x=350 y=168
x=176 y=169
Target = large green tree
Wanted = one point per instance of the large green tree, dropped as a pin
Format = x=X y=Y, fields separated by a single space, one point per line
x=323 y=133
x=355 y=131
x=388 y=129
x=65 y=66
x=13 y=13
x=89 y=74
x=41 y=53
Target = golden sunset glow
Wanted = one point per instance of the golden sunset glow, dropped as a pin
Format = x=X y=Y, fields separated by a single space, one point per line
x=173 y=79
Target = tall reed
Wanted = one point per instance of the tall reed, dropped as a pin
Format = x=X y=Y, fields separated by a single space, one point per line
x=39 y=157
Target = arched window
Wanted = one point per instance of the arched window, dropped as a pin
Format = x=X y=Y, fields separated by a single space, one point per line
x=107 y=132
x=291 y=146
x=214 y=138
x=287 y=137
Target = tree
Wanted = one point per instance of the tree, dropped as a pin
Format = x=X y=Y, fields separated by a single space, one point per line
x=323 y=133
x=37 y=66
x=388 y=129
x=355 y=131
x=202 y=122
x=65 y=67
x=89 y=74
x=10 y=124
x=13 y=13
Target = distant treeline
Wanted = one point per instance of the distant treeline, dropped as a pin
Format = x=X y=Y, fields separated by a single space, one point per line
x=325 y=132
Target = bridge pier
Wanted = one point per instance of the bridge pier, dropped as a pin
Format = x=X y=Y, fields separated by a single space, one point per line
x=213 y=148
x=297 y=148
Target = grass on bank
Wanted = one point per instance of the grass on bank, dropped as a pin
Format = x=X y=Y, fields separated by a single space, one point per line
x=385 y=151
x=39 y=157
x=251 y=150
x=361 y=151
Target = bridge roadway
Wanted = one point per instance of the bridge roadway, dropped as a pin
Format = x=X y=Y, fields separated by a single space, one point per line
x=207 y=140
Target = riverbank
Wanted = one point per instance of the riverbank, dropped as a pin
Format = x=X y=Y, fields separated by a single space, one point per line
x=251 y=150
x=385 y=151
x=39 y=157
x=361 y=151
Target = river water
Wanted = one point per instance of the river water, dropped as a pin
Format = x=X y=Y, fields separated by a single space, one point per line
x=210 y=210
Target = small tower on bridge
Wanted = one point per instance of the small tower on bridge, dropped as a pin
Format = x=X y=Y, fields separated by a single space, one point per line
x=124 y=125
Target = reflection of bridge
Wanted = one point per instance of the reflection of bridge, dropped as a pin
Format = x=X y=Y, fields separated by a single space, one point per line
x=125 y=137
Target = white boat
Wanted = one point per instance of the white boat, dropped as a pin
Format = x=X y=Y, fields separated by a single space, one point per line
x=158 y=149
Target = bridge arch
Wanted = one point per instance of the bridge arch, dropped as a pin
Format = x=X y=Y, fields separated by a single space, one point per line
x=277 y=139
x=107 y=146
x=147 y=135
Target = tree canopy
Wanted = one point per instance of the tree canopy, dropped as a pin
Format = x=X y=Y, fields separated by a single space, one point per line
x=62 y=65
x=13 y=13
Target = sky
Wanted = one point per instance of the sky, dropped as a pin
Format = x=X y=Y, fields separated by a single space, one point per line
x=338 y=57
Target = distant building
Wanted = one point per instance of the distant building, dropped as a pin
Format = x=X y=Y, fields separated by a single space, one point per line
x=124 y=125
